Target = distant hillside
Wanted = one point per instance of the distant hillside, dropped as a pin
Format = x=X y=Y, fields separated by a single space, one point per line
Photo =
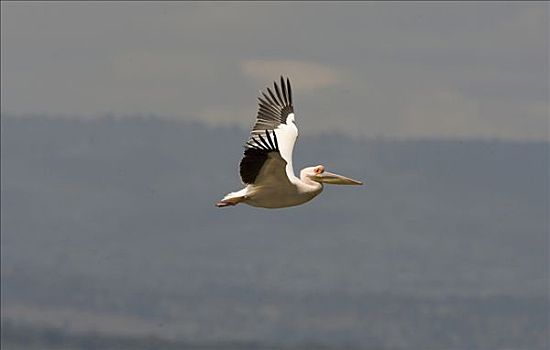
x=116 y=216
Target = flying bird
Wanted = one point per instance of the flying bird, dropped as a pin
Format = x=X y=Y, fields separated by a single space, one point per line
x=266 y=167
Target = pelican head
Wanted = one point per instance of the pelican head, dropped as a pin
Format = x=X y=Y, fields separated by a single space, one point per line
x=318 y=174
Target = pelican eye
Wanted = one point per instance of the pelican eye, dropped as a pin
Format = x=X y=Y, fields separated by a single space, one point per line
x=319 y=169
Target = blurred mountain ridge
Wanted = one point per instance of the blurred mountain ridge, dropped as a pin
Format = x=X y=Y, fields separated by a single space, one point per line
x=116 y=216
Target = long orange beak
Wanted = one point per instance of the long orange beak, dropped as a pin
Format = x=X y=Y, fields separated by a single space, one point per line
x=335 y=179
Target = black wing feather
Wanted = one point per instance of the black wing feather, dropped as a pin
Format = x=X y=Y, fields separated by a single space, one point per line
x=289 y=91
x=256 y=152
x=269 y=139
x=283 y=88
x=278 y=93
x=264 y=142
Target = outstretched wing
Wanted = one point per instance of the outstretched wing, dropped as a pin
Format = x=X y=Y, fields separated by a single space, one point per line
x=269 y=148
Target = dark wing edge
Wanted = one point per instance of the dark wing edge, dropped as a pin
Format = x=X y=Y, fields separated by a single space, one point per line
x=274 y=107
x=257 y=150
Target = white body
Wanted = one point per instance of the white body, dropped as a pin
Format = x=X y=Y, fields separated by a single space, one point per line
x=277 y=195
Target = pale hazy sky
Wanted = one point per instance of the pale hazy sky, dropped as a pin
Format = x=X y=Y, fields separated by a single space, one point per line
x=395 y=69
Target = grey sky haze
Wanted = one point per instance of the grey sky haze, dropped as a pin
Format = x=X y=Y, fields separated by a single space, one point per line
x=109 y=226
x=394 y=69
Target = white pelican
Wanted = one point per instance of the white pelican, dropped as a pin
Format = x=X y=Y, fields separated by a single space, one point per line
x=266 y=168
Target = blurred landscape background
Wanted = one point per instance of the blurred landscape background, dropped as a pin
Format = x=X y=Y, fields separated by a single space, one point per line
x=110 y=239
x=122 y=123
